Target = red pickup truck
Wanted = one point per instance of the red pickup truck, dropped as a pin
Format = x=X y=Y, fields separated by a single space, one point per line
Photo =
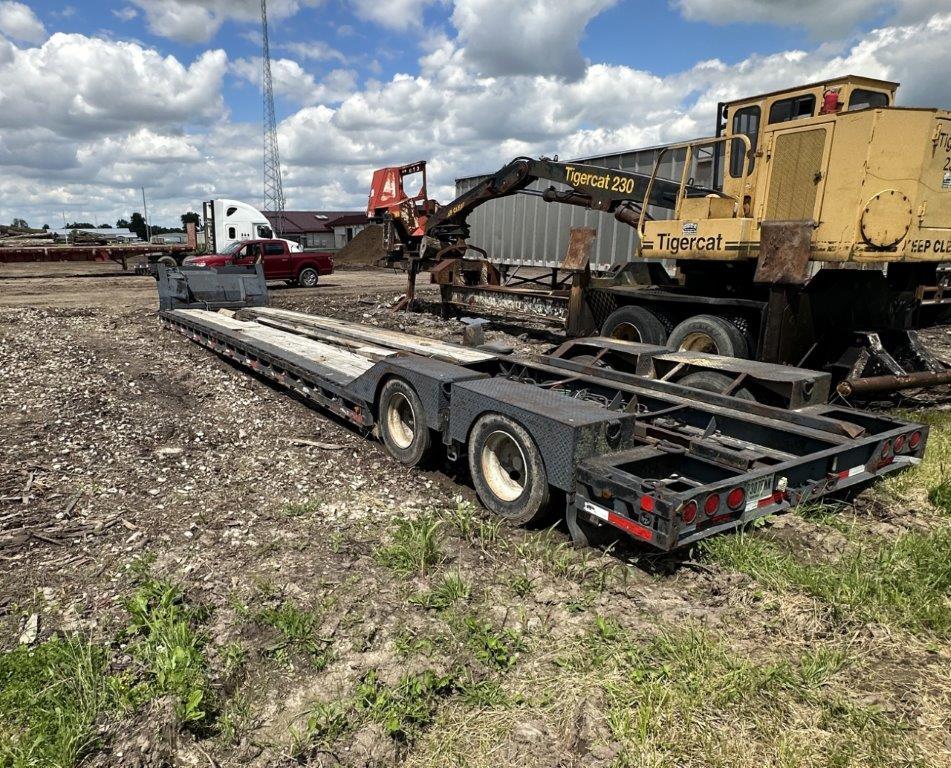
x=280 y=263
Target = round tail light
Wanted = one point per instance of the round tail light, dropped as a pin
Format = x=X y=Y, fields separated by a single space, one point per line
x=886 y=448
x=711 y=504
x=736 y=498
x=689 y=513
x=899 y=443
x=915 y=440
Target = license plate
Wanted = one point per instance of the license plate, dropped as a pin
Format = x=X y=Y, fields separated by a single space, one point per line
x=757 y=490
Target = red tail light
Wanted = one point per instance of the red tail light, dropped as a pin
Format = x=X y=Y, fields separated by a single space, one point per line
x=689 y=513
x=736 y=498
x=647 y=503
x=886 y=449
x=915 y=440
x=899 y=443
x=712 y=504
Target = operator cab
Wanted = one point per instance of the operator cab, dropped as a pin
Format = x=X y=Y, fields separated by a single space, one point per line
x=756 y=116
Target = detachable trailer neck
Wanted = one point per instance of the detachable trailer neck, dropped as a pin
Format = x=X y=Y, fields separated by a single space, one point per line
x=664 y=463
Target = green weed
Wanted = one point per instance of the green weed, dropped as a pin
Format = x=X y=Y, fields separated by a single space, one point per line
x=940 y=496
x=407 y=707
x=302 y=508
x=165 y=640
x=496 y=648
x=415 y=547
x=451 y=589
x=298 y=630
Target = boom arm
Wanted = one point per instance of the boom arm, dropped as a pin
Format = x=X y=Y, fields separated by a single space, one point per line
x=622 y=193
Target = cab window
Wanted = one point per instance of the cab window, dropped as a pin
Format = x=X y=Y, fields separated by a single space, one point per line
x=264 y=232
x=863 y=99
x=795 y=108
x=745 y=121
x=231 y=233
x=273 y=249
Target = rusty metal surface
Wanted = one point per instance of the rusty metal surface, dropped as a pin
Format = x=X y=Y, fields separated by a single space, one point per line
x=581 y=241
x=84 y=252
x=784 y=252
x=886 y=384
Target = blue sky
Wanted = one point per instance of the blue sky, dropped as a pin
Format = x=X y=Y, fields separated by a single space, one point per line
x=166 y=93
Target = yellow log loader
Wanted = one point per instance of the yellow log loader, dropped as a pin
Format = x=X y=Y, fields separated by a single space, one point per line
x=816 y=241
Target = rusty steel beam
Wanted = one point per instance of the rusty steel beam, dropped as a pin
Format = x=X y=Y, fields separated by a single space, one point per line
x=885 y=384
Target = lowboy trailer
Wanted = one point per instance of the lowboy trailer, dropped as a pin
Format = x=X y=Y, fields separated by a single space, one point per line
x=665 y=463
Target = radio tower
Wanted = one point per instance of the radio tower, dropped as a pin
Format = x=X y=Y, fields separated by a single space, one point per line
x=273 y=185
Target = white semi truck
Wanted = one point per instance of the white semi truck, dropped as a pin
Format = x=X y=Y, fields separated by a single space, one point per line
x=231 y=221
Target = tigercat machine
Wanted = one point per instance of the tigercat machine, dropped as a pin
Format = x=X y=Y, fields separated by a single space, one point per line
x=815 y=241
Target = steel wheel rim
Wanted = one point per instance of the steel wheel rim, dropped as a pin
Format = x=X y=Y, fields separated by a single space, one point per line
x=698 y=341
x=626 y=332
x=401 y=420
x=504 y=466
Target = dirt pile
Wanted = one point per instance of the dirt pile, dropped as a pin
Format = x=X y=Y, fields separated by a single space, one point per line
x=365 y=249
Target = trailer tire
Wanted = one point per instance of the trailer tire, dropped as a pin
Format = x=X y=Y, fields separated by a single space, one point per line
x=632 y=323
x=712 y=334
x=308 y=277
x=403 y=425
x=712 y=381
x=507 y=470
x=168 y=261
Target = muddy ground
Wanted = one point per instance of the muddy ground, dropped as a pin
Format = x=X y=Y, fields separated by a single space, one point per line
x=128 y=454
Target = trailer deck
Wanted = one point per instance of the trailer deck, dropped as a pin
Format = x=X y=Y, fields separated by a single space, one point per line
x=661 y=462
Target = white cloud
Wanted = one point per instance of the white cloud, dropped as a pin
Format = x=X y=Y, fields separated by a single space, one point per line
x=79 y=86
x=394 y=14
x=198 y=21
x=822 y=18
x=125 y=14
x=18 y=21
x=314 y=50
x=292 y=81
x=85 y=122
x=525 y=37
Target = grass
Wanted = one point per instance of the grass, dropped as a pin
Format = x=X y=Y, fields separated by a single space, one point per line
x=303 y=508
x=493 y=647
x=298 y=633
x=935 y=468
x=166 y=641
x=451 y=589
x=678 y=697
x=940 y=496
x=415 y=548
x=903 y=582
x=404 y=710
x=54 y=697
x=51 y=697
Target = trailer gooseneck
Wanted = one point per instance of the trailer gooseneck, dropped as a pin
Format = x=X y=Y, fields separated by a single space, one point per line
x=664 y=463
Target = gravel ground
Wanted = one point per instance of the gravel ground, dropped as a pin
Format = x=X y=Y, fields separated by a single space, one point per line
x=119 y=441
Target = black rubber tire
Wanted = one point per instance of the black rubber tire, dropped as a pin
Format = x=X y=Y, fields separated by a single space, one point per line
x=632 y=323
x=712 y=381
x=168 y=261
x=529 y=506
x=308 y=277
x=410 y=447
x=724 y=337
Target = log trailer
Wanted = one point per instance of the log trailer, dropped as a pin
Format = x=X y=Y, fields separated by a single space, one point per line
x=614 y=452
x=816 y=243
